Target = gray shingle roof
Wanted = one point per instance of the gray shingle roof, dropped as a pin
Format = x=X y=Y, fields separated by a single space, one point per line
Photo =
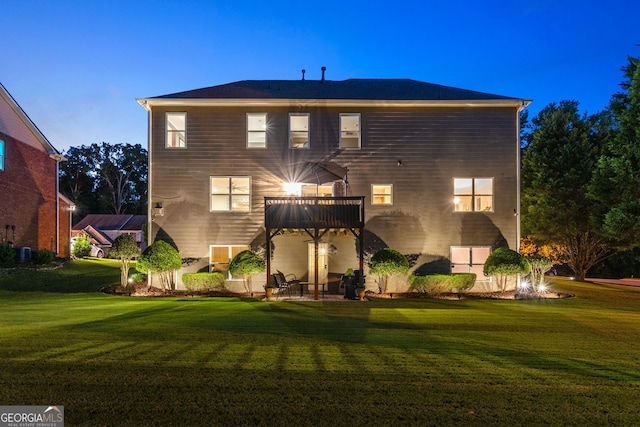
x=352 y=89
x=110 y=222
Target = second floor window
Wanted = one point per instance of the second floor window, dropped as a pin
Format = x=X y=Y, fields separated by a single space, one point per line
x=349 y=130
x=256 y=130
x=176 y=135
x=381 y=194
x=473 y=194
x=299 y=130
x=230 y=193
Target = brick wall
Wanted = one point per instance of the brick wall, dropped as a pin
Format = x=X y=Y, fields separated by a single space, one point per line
x=28 y=196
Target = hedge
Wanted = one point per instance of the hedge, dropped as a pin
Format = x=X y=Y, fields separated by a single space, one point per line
x=440 y=283
x=203 y=281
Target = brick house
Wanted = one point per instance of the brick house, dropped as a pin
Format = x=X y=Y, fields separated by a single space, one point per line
x=320 y=174
x=33 y=215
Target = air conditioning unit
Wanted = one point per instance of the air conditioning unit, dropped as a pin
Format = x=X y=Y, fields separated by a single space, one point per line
x=24 y=253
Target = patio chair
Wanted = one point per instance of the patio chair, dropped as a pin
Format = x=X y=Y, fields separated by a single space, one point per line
x=283 y=281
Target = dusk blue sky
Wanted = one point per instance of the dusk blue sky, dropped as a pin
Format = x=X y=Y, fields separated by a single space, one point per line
x=76 y=67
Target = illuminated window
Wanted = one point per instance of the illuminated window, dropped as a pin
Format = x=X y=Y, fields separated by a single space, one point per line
x=473 y=194
x=468 y=259
x=381 y=194
x=256 y=130
x=1 y=155
x=313 y=190
x=350 y=130
x=230 y=194
x=221 y=255
x=299 y=130
x=176 y=130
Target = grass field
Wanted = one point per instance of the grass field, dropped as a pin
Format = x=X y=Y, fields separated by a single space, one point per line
x=115 y=361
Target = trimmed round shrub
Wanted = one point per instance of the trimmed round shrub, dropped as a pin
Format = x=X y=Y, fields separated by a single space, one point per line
x=124 y=248
x=161 y=258
x=504 y=263
x=440 y=283
x=44 y=256
x=203 y=281
x=385 y=262
x=245 y=264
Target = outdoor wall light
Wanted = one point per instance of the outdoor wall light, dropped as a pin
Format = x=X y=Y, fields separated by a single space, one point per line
x=292 y=189
x=399 y=162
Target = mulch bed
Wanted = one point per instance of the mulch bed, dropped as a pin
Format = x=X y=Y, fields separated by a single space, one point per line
x=142 y=290
x=509 y=295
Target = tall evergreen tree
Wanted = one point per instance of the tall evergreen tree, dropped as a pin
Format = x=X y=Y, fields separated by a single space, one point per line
x=616 y=182
x=557 y=165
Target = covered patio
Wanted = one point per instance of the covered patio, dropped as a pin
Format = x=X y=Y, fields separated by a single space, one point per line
x=315 y=216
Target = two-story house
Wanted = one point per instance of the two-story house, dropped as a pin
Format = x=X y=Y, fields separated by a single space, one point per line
x=33 y=215
x=321 y=174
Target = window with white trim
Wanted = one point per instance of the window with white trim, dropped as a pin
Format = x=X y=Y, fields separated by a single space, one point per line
x=350 y=130
x=470 y=259
x=299 y=130
x=473 y=194
x=314 y=190
x=221 y=255
x=381 y=194
x=230 y=193
x=1 y=155
x=256 y=130
x=176 y=134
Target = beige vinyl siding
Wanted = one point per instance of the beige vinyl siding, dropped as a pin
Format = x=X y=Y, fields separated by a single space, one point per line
x=434 y=145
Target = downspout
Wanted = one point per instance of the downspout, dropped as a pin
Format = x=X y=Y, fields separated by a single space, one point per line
x=149 y=187
x=58 y=158
x=523 y=105
x=57 y=207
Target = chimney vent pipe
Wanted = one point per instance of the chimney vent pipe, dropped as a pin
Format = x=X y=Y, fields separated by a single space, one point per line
x=323 y=70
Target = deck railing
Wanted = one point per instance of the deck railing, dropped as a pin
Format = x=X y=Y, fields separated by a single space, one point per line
x=314 y=212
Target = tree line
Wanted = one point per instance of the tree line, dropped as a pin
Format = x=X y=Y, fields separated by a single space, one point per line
x=105 y=178
x=580 y=188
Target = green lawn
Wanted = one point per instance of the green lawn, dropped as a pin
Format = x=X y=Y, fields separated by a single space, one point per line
x=223 y=361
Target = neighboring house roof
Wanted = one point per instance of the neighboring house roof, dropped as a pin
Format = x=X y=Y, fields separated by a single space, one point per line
x=15 y=123
x=97 y=237
x=108 y=222
x=400 y=90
